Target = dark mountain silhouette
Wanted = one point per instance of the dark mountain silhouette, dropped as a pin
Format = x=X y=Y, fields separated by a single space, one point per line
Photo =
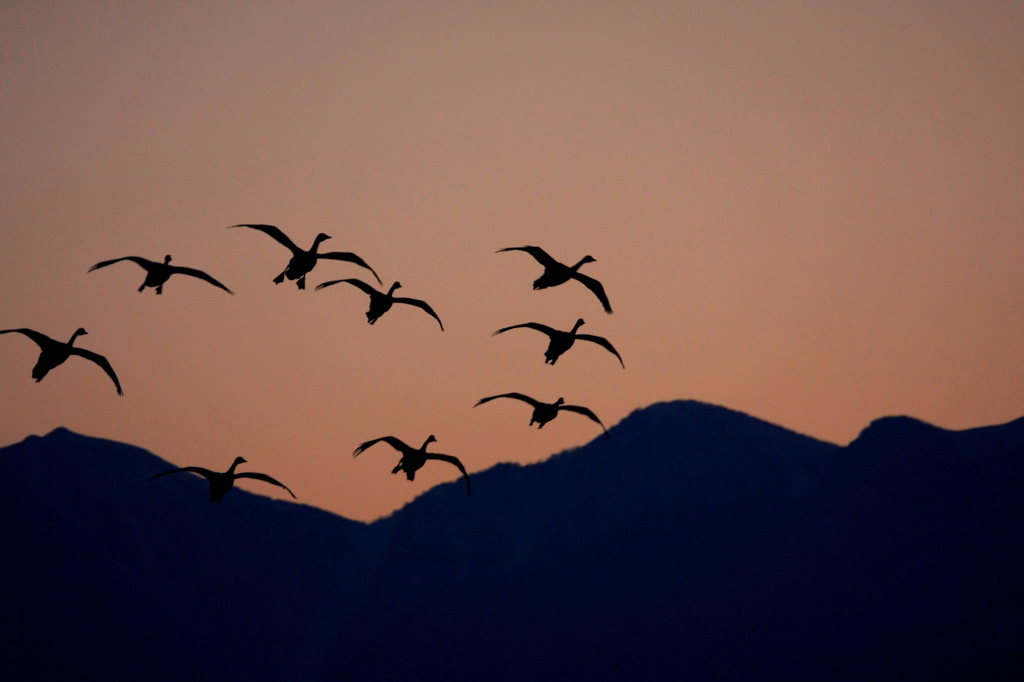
x=697 y=543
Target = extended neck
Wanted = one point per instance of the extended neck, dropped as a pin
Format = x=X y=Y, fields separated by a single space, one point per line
x=585 y=259
x=394 y=286
x=75 y=336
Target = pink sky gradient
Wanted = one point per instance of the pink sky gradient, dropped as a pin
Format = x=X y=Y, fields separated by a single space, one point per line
x=810 y=212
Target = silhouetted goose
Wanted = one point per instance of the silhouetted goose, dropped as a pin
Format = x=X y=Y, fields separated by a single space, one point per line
x=380 y=302
x=221 y=483
x=158 y=273
x=556 y=273
x=562 y=341
x=304 y=261
x=412 y=459
x=545 y=412
x=55 y=353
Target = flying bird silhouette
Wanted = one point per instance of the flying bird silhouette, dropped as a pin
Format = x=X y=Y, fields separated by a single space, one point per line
x=158 y=273
x=545 y=412
x=221 y=483
x=380 y=302
x=556 y=273
x=304 y=261
x=412 y=459
x=54 y=353
x=562 y=341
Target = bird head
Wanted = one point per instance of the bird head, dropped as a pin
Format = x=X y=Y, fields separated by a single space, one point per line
x=430 y=439
x=81 y=332
x=239 y=460
x=559 y=401
x=167 y=259
x=396 y=285
x=587 y=259
x=321 y=237
x=579 y=323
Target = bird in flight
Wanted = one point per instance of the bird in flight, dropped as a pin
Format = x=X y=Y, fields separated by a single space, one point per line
x=412 y=459
x=54 y=353
x=304 y=261
x=562 y=341
x=158 y=273
x=380 y=302
x=556 y=273
x=545 y=412
x=221 y=483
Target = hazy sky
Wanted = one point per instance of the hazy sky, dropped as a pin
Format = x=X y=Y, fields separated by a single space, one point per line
x=810 y=212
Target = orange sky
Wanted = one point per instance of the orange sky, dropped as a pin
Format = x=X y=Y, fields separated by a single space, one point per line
x=810 y=212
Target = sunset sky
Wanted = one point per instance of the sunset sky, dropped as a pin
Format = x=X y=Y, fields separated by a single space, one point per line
x=809 y=212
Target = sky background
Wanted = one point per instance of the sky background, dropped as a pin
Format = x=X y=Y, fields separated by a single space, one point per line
x=809 y=212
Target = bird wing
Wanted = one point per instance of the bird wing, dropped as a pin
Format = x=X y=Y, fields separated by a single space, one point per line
x=354 y=282
x=195 y=470
x=349 y=258
x=101 y=361
x=540 y=254
x=420 y=304
x=390 y=440
x=42 y=340
x=268 y=479
x=603 y=342
x=135 y=259
x=456 y=462
x=192 y=272
x=586 y=412
x=530 y=325
x=597 y=288
x=275 y=233
x=517 y=396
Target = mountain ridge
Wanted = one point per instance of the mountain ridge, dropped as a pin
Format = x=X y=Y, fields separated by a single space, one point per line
x=698 y=540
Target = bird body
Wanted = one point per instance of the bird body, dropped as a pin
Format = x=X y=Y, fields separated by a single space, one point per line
x=302 y=261
x=157 y=274
x=556 y=273
x=380 y=302
x=222 y=482
x=54 y=353
x=545 y=412
x=413 y=459
x=559 y=342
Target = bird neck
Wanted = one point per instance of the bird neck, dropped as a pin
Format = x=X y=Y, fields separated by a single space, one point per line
x=575 y=327
x=391 y=291
x=576 y=268
x=73 y=337
x=234 y=464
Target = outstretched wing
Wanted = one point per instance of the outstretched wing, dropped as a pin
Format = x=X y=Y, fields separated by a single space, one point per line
x=268 y=479
x=349 y=258
x=420 y=304
x=192 y=272
x=354 y=282
x=530 y=325
x=101 y=361
x=195 y=470
x=586 y=413
x=604 y=343
x=42 y=340
x=597 y=288
x=275 y=233
x=135 y=259
x=390 y=440
x=456 y=462
x=540 y=254
x=517 y=396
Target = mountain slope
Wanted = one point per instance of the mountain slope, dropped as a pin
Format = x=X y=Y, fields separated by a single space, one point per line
x=696 y=543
